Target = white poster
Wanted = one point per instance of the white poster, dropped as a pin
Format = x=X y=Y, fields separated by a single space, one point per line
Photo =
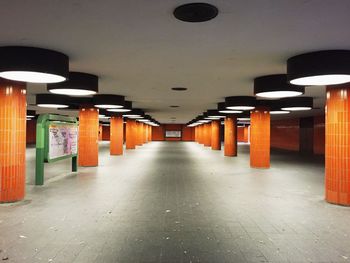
x=63 y=140
x=173 y=134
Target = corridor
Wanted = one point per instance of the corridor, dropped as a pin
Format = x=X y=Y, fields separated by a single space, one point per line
x=178 y=202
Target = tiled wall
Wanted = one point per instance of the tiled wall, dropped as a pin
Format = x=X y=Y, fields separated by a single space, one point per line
x=319 y=135
x=105 y=133
x=242 y=134
x=285 y=134
x=31 y=131
x=158 y=133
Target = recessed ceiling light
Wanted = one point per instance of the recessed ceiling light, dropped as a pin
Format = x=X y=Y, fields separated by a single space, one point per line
x=51 y=101
x=296 y=104
x=196 y=12
x=174 y=106
x=276 y=112
x=222 y=109
x=179 y=88
x=276 y=86
x=31 y=64
x=240 y=103
x=327 y=67
x=78 y=84
x=108 y=101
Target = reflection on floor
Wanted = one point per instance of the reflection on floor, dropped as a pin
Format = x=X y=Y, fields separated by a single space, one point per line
x=178 y=202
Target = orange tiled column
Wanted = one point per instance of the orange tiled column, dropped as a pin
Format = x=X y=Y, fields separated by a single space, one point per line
x=260 y=138
x=196 y=133
x=215 y=135
x=230 y=136
x=116 y=137
x=88 y=136
x=207 y=138
x=149 y=133
x=12 y=140
x=131 y=133
x=337 y=153
x=145 y=133
x=200 y=133
x=139 y=133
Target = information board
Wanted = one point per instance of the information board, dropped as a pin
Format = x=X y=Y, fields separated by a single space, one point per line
x=63 y=140
x=173 y=134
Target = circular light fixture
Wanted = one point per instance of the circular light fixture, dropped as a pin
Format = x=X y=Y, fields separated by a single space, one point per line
x=30 y=114
x=297 y=104
x=31 y=64
x=174 y=106
x=276 y=86
x=222 y=109
x=79 y=84
x=108 y=101
x=214 y=115
x=134 y=114
x=243 y=119
x=179 y=88
x=126 y=108
x=240 y=103
x=51 y=101
x=328 y=67
x=196 y=12
x=276 y=112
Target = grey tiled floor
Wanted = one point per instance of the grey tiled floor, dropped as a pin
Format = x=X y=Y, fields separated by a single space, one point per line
x=177 y=202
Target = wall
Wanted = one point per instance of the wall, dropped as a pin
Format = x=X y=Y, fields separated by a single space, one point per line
x=31 y=132
x=158 y=133
x=285 y=134
x=319 y=135
x=242 y=134
x=105 y=133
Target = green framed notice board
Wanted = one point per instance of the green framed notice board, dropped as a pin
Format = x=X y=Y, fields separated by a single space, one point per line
x=56 y=139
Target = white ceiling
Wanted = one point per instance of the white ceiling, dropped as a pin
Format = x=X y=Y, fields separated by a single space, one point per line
x=138 y=49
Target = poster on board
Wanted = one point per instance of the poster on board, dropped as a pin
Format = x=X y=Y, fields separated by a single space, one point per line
x=63 y=140
x=173 y=134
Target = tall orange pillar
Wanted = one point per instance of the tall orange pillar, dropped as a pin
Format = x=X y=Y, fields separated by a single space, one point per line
x=207 y=138
x=116 y=137
x=88 y=136
x=230 y=136
x=337 y=152
x=12 y=140
x=215 y=135
x=145 y=133
x=130 y=133
x=260 y=138
x=149 y=133
x=200 y=126
x=139 y=133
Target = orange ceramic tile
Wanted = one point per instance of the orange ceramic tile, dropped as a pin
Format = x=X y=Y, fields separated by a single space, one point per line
x=230 y=136
x=130 y=140
x=337 y=149
x=215 y=135
x=116 y=136
x=260 y=138
x=88 y=137
x=12 y=140
x=285 y=134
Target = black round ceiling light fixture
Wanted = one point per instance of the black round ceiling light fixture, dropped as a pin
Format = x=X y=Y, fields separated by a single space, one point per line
x=296 y=104
x=196 y=12
x=327 y=67
x=108 y=101
x=79 y=84
x=240 y=103
x=222 y=109
x=32 y=64
x=276 y=86
x=52 y=101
